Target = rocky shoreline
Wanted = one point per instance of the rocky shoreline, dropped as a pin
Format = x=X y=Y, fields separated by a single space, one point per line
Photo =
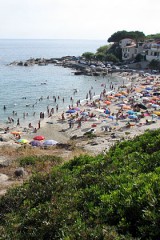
x=79 y=66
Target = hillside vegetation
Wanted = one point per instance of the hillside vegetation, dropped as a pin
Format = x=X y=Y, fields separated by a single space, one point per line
x=116 y=196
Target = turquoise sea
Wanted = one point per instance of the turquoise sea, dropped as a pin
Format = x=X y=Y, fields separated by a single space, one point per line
x=21 y=86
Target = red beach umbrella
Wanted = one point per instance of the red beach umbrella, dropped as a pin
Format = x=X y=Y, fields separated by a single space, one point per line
x=107 y=102
x=39 y=138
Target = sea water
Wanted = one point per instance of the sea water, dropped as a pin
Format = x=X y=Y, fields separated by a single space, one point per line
x=22 y=87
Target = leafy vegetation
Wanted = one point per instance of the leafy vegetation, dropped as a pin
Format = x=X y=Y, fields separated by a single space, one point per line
x=153 y=36
x=112 y=196
x=117 y=36
x=154 y=64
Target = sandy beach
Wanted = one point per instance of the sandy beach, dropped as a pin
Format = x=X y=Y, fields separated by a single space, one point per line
x=121 y=114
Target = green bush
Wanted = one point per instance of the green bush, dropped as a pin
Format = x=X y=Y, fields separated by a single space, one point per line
x=115 y=196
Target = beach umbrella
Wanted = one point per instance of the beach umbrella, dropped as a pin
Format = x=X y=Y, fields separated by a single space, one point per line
x=145 y=98
x=147 y=95
x=50 y=142
x=118 y=95
x=148 y=88
x=152 y=101
x=138 y=113
x=112 y=117
x=107 y=102
x=102 y=115
x=76 y=108
x=155 y=98
x=93 y=119
x=130 y=112
x=110 y=96
x=122 y=96
x=124 y=93
x=35 y=143
x=132 y=117
x=71 y=111
x=39 y=138
x=16 y=133
x=157 y=113
x=140 y=105
x=22 y=141
x=126 y=107
x=121 y=104
x=155 y=105
x=154 y=115
x=84 y=113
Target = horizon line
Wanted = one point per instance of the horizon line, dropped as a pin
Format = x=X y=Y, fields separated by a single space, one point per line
x=86 y=39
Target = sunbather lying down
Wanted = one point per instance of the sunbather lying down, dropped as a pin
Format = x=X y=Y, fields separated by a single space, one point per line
x=130 y=124
x=150 y=121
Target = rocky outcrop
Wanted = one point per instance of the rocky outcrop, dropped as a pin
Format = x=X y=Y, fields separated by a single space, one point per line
x=72 y=62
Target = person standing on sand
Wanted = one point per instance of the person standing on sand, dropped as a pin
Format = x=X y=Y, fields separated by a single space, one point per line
x=57 y=108
x=39 y=124
x=52 y=110
x=70 y=123
x=63 y=118
x=18 y=123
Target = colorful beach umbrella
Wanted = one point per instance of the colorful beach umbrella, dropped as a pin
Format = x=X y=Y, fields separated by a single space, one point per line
x=16 y=133
x=35 y=143
x=118 y=95
x=39 y=138
x=22 y=141
x=107 y=102
x=49 y=142
x=126 y=107
x=76 y=108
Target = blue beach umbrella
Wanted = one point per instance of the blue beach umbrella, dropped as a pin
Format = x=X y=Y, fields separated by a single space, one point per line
x=148 y=88
x=155 y=105
x=112 y=117
x=130 y=112
x=132 y=117
x=35 y=143
x=71 y=111
x=84 y=113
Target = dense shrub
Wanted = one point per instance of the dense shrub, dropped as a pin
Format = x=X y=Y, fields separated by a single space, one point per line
x=104 y=197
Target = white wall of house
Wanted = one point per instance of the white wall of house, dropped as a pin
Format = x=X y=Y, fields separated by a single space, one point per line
x=125 y=41
x=153 y=52
x=129 y=53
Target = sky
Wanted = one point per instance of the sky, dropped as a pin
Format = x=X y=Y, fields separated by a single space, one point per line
x=76 y=19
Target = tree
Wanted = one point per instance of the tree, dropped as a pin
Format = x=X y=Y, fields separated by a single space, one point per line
x=111 y=58
x=136 y=35
x=116 y=50
x=88 y=55
x=103 y=49
x=154 y=64
x=100 y=56
x=139 y=57
x=153 y=36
